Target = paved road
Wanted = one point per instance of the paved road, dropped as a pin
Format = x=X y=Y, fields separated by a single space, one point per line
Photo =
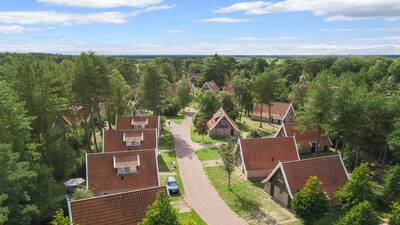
x=200 y=194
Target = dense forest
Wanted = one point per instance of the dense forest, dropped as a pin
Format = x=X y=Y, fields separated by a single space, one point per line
x=356 y=99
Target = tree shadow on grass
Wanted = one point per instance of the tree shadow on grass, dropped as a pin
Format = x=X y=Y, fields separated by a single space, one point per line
x=254 y=210
x=162 y=166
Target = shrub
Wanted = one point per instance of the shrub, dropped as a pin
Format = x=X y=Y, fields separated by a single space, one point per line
x=161 y=212
x=311 y=202
x=392 y=184
x=361 y=214
x=394 y=217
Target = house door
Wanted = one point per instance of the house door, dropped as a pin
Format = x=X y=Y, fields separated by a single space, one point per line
x=232 y=132
x=272 y=190
x=313 y=147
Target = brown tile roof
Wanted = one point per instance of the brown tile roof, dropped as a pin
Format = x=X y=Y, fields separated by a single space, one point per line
x=304 y=139
x=102 y=177
x=266 y=153
x=211 y=85
x=218 y=116
x=113 y=140
x=329 y=170
x=228 y=89
x=125 y=122
x=126 y=208
x=278 y=110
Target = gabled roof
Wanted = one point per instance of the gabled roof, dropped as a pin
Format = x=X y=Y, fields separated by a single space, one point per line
x=217 y=117
x=193 y=76
x=266 y=153
x=330 y=171
x=279 y=110
x=75 y=115
x=211 y=85
x=304 y=139
x=125 y=122
x=102 y=177
x=126 y=208
x=113 y=140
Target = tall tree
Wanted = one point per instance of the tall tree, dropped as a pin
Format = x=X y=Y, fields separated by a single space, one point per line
x=266 y=89
x=229 y=105
x=183 y=93
x=243 y=93
x=3 y=210
x=228 y=153
x=316 y=112
x=359 y=188
x=391 y=186
x=208 y=103
x=361 y=214
x=153 y=89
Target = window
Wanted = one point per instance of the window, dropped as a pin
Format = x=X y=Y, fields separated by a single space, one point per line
x=224 y=123
x=280 y=178
x=126 y=170
x=133 y=143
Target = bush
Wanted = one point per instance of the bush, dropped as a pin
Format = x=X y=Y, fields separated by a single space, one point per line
x=392 y=185
x=161 y=212
x=311 y=202
x=359 y=188
x=81 y=193
x=254 y=134
x=361 y=214
x=171 y=107
x=394 y=217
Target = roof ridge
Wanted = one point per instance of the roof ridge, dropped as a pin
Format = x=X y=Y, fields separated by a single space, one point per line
x=270 y=137
x=121 y=151
x=309 y=159
x=118 y=193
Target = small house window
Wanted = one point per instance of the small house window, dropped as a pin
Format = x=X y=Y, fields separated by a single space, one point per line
x=223 y=122
x=280 y=178
x=133 y=143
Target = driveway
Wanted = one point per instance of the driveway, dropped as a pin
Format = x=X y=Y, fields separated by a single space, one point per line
x=199 y=192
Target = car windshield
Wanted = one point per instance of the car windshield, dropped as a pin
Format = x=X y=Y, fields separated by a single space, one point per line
x=172 y=183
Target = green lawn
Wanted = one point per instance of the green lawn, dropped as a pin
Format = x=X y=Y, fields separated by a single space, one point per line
x=246 y=199
x=207 y=154
x=166 y=139
x=246 y=125
x=178 y=119
x=193 y=215
x=205 y=140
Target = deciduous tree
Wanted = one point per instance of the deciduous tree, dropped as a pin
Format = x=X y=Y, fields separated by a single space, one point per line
x=228 y=153
x=161 y=212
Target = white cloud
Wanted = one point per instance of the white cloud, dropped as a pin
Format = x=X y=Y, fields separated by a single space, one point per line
x=333 y=10
x=252 y=48
x=224 y=20
x=104 y=3
x=54 y=18
x=174 y=31
x=272 y=38
x=384 y=29
x=16 y=29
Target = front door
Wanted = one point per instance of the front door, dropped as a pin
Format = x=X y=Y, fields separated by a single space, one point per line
x=313 y=147
x=232 y=132
x=272 y=190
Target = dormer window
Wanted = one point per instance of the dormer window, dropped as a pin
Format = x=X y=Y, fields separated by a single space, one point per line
x=132 y=140
x=139 y=124
x=126 y=164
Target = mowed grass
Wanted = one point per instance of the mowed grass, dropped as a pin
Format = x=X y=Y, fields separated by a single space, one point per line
x=192 y=214
x=202 y=140
x=249 y=201
x=246 y=125
x=207 y=154
x=166 y=140
x=178 y=119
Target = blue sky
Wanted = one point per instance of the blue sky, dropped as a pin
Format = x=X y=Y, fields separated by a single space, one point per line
x=201 y=27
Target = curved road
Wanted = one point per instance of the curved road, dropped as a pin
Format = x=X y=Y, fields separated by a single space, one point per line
x=199 y=192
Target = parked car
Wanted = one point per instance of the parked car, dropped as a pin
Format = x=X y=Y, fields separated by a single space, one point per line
x=172 y=185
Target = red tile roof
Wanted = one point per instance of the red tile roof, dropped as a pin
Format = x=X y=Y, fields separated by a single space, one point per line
x=211 y=85
x=102 y=177
x=113 y=140
x=278 y=110
x=126 y=208
x=75 y=115
x=304 y=139
x=329 y=170
x=125 y=122
x=218 y=116
x=266 y=153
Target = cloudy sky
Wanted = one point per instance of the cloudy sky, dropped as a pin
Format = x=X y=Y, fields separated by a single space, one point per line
x=201 y=26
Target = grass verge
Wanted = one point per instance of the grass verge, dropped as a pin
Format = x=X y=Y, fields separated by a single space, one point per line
x=192 y=214
x=246 y=125
x=178 y=119
x=207 y=154
x=202 y=140
x=246 y=199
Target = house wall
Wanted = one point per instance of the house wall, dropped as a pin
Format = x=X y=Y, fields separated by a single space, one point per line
x=222 y=129
x=280 y=192
x=290 y=117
